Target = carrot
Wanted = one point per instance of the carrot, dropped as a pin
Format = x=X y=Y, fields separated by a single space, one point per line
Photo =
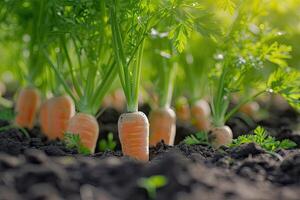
x=26 y=108
x=183 y=111
x=55 y=114
x=162 y=126
x=134 y=135
x=249 y=108
x=201 y=115
x=87 y=127
x=106 y=102
x=219 y=136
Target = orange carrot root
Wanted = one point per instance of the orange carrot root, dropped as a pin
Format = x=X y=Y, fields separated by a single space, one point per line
x=87 y=127
x=183 y=112
x=134 y=135
x=162 y=126
x=201 y=115
x=55 y=114
x=250 y=108
x=219 y=136
x=26 y=108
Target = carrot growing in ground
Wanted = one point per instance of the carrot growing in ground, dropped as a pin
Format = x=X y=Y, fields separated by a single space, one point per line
x=169 y=44
x=133 y=126
x=196 y=69
x=163 y=119
x=242 y=66
x=250 y=108
x=55 y=114
x=26 y=108
x=36 y=26
x=183 y=111
x=90 y=72
x=201 y=114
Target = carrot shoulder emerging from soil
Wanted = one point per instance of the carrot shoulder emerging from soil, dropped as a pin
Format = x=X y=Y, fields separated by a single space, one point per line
x=162 y=126
x=219 y=136
x=87 y=127
x=201 y=115
x=134 y=135
x=27 y=105
x=183 y=112
x=250 y=109
x=55 y=114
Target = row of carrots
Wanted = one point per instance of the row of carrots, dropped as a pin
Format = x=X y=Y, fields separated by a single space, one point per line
x=57 y=116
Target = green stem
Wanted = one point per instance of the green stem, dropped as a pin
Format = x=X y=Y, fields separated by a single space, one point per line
x=236 y=108
x=71 y=68
x=168 y=85
x=104 y=86
x=118 y=50
x=60 y=77
x=136 y=79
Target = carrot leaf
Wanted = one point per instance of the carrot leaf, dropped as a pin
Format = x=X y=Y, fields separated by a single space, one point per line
x=152 y=183
x=7 y=114
x=198 y=138
x=261 y=138
x=73 y=141
x=108 y=144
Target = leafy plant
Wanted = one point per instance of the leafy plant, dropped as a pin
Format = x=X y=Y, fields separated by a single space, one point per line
x=73 y=141
x=82 y=53
x=152 y=183
x=286 y=85
x=261 y=138
x=108 y=144
x=248 y=57
x=7 y=114
x=198 y=138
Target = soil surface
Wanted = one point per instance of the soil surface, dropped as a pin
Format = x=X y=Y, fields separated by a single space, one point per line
x=35 y=168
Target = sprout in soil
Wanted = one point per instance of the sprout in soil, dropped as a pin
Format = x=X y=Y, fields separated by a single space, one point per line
x=152 y=183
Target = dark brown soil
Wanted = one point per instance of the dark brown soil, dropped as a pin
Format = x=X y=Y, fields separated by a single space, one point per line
x=35 y=168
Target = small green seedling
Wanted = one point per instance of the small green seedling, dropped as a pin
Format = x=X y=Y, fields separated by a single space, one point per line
x=7 y=114
x=152 y=183
x=108 y=144
x=73 y=141
x=261 y=138
x=198 y=138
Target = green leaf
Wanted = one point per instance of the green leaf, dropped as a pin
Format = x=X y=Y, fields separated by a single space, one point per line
x=261 y=138
x=108 y=144
x=73 y=141
x=7 y=114
x=227 y=5
x=287 y=144
x=286 y=83
x=152 y=183
x=198 y=138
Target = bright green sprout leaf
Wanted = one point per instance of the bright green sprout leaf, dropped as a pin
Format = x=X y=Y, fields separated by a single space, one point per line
x=227 y=5
x=108 y=144
x=7 y=114
x=261 y=138
x=73 y=141
x=152 y=183
x=286 y=85
x=198 y=138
